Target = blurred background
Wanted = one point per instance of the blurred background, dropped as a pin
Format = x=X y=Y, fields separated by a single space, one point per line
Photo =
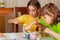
x=14 y=8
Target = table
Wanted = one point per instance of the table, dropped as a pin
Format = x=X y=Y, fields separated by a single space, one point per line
x=12 y=36
x=18 y=36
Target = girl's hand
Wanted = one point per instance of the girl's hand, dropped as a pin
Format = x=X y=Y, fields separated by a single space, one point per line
x=2 y=35
x=29 y=25
x=15 y=21
x=41 y=26
x=35 y=21
x=10 y=20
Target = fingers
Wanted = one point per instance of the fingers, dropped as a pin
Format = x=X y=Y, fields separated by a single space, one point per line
x=3 y=35
x=10 y=21
x=38 y=24
x=15 y=21
x=35 y=21
x=41 y=26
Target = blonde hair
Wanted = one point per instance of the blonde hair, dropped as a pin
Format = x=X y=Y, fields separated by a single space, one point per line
x=53 y=9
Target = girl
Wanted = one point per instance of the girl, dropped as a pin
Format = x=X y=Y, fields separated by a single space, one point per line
x=33 y=9
x=48 y=21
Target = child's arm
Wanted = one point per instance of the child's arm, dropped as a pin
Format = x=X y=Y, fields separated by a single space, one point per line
x=15 y=21
x=3 y=35
x=41 y=26
x=29 y=25
x=47 y=30
x=57 y=36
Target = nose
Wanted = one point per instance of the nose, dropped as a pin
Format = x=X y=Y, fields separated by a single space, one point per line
x=31 y=12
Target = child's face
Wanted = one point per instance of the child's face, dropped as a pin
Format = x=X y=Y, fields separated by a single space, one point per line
x=49 y=18
x=33 y=11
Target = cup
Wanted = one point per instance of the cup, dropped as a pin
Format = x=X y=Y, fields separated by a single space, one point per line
x=33 y=36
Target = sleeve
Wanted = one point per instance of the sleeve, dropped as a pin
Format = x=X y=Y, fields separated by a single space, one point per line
x=56 y=28
x=21 y=19
x=43 y=22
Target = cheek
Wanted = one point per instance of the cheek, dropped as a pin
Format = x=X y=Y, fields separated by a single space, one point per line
x=47 y=18
x=34 y=12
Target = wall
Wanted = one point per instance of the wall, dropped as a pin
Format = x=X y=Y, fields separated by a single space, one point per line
x=22 y=3
x=17 y=3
